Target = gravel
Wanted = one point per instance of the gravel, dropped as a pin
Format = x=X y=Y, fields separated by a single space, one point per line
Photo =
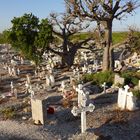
x=105 y=123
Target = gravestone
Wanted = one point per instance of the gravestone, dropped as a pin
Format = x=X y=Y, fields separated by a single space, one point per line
x=28 y=79
x=48 y=81
x=131 y=102
x=83 y=109
x=122 y=97
x=52 y=79
x=84 y=69
x=139 y=85
x=18 y=71
x=118 y=80
x=63 y=86
x=39 y=110
x=126 y=100
x=12 y=87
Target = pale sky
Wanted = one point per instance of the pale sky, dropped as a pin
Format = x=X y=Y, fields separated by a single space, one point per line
x=42 y=8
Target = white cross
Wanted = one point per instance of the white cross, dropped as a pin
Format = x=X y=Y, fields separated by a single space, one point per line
x=12 y=87
x=75 y=111
x=104 y=86
x=63 y=86
x=18 y=71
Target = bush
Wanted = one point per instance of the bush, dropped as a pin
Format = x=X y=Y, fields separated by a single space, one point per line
x=100 y=78
x=136 y=93
x=131 y=77
x=8 y=113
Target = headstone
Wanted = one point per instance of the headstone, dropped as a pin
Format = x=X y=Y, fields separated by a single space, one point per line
x=27 y=85
x=28 y=79
x=39 y=110
x=13 y=71
x=122 y=98
x=131 y=102
x=12 y=87
x=63 y=86
x=52 y=80
x=139 y=85
x=84 y=69
x=18 y=71
x=48 y=81
x=118 y=80
x=117 y=64
x=15 y=93
x=126 y=100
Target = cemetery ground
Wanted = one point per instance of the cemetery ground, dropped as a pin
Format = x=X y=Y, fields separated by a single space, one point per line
x=106 y=122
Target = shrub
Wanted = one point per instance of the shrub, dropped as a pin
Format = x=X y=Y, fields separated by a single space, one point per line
x=100 y=78
x=136 y=93
x=8 y=113
x=131 y=77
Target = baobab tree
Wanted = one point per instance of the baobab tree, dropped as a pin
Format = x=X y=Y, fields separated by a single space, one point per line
x=64 y=27
x=103 y=12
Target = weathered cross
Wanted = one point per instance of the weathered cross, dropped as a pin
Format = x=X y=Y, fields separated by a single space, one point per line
x=82 y=108
x=76 y=110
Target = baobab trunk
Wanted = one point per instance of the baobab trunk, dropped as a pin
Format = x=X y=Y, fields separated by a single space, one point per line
x=68 y=58
x=107 y=54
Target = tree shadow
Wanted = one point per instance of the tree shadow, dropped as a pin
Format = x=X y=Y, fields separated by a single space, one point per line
x=63 y=123
x=104 y=100
x=122 y=125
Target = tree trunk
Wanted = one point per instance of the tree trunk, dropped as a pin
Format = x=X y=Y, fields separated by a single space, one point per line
x=108 y=52
x=68 y=58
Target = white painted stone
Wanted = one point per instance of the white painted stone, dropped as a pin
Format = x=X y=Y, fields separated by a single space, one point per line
x=48 y=81
x=118 y=80
x=39 y=110
x=28 y=79
x=139 y=85
x=126 y=100
x=63 y=86
x=52 y=80
x=84 y=69
x=18 y=71
x=121 y=99
x=131 y=102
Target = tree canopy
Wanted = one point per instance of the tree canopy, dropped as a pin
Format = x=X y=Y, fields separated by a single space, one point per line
x=103 y=12
x=30 y=36
x=64 y=27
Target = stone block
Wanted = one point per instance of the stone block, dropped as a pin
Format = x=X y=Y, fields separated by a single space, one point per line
x=39 y=110
x=118 y=80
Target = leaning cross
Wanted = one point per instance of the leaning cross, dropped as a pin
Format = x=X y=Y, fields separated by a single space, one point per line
x=75 y=111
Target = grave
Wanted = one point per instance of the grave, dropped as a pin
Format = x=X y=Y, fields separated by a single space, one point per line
x=82 y=108
x=39 y=110
x=126 y=100
x=118 y=80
